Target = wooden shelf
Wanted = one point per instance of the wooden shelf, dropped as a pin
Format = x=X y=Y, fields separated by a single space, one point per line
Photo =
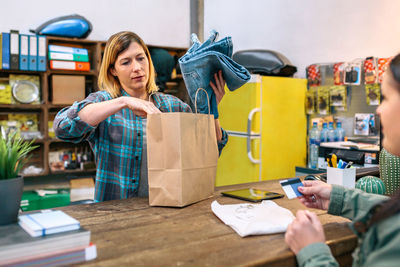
x=21 y=106
x=72 y=72
x=73 y=171
x=35 y=175
x=21 y=72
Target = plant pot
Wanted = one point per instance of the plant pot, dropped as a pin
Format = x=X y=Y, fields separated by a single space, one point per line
x=10 y=199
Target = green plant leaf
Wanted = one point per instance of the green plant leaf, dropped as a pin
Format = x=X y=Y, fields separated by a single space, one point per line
x=14 y=154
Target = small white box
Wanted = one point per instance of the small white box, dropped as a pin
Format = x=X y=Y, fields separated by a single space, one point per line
x=344 y=177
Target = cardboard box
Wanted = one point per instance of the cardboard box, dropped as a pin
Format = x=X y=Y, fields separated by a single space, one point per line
x=66 y=89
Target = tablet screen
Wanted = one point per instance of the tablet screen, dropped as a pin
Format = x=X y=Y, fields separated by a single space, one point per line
x=252 y=194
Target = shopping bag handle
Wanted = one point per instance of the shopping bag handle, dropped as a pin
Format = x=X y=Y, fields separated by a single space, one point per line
x=195 y=100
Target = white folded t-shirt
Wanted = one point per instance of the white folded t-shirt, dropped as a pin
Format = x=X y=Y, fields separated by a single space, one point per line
x=246 y=219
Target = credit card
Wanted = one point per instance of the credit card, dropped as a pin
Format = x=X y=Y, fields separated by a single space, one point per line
x=290 y=186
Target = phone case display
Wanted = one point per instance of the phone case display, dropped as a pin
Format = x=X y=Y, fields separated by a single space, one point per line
x=25 y=89
x=310 y=101
x=373 y=93
x=323 y=100
x=338 y=97
x=338 y=73
x=370 y=70
x=314 y=75
x=382 y=65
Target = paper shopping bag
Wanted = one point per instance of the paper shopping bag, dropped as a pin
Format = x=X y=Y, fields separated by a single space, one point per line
x=182 y=156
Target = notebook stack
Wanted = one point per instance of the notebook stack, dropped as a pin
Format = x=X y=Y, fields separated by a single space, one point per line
x=49 y=238
x=68 y=58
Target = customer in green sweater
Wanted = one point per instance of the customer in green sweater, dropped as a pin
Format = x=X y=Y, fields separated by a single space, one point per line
x=376 y=219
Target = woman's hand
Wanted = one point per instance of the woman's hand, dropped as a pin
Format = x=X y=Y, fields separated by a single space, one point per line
x=305 y=230
x=316 y=194
x=140 y=107
x=219 y=86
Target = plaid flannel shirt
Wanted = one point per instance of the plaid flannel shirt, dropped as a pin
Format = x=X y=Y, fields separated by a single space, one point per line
x=116 y=142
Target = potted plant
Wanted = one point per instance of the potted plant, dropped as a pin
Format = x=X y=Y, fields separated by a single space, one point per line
x=13 y=156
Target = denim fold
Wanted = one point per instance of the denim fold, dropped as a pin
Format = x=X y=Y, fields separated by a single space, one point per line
x=202 y=61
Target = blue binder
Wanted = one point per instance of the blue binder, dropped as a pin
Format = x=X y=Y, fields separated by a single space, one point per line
x=23 y=51
x=6 y=51
x=42 y=60
x=33 y=51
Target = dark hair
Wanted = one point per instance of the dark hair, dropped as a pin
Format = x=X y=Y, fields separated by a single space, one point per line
x=391 y=206
x=395 y=69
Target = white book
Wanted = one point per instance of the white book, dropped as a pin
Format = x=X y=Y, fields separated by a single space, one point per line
x=47 y=222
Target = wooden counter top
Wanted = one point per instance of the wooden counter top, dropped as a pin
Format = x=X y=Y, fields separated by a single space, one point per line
x=130 y=232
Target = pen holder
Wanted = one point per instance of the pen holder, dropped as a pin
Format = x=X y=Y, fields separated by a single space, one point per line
x=344 y=177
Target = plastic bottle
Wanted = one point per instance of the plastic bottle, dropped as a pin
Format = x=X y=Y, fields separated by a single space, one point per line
x=339 y=132
x=314 y=140
x=331 y=133
x=324 y=133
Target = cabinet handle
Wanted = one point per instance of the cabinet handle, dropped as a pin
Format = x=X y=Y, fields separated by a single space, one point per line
x=250 y=136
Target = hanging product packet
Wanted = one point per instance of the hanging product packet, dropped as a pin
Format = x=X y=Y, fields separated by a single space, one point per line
x=338 y=97
x=314 y=75
x=382 y=65
x=373 y=94
x=310 y=101
x=370 y=70
x=352 y=72
x=338 y=73
x=323 y=100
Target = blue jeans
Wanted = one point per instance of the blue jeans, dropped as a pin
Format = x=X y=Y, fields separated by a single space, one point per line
x=200 y=63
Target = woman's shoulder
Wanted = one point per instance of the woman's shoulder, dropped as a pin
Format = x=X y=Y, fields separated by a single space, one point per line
x=390 y=226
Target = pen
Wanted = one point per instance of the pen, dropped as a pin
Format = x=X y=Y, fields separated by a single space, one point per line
x=328 y=160
x=340 y=164
x=334 y=161
x=349 y=165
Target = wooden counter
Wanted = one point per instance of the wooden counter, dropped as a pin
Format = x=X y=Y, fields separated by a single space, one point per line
x=131 y=233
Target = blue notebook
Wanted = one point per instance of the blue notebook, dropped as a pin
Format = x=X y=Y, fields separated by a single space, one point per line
x=47 y=222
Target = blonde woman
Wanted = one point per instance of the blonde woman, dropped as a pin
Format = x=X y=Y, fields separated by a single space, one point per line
x=113 y=120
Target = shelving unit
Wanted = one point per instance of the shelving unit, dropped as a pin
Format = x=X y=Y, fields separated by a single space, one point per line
x=46 y=109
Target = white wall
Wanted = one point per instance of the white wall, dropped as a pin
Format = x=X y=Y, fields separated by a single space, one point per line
x=157 y=22
x=309 y=31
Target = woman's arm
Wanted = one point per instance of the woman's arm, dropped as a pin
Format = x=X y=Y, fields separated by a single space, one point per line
x=77 y=122
x=95 y=113
x=219 y=90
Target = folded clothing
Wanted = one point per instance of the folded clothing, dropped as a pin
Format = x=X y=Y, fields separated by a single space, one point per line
x=202 y=61
x=254 y=219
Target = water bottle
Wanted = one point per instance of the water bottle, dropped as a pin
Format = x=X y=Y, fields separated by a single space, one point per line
x=331 y=133
x=339 y=132
x=314 y=140
x=324 y=133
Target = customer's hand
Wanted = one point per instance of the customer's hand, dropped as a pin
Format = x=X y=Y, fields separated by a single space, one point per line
x=305 y=230
x=140 y=107
x=316 y=194
x=219 y=86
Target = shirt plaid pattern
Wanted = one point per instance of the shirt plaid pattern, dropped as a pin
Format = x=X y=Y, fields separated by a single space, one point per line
x=116 y=142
